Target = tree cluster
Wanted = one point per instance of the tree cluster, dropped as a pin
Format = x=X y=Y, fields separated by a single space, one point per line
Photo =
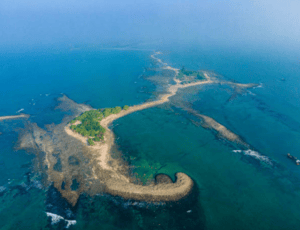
x=189 y=73
x=90 y=126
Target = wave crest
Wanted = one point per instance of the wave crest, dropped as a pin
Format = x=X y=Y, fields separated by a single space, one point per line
x=56 y=219
x=255 y=154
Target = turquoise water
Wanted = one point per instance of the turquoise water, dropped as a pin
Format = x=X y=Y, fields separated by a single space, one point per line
x=233 y=190
x=100 y=78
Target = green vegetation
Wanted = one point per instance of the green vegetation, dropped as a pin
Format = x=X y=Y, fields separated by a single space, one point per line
x=189 y=75
x=97 y=139
x=91 y=142
x=89 y=123
x=125 y=107
x=109 y=111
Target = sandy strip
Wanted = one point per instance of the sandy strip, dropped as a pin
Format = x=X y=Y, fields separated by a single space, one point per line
x=103 y=150
x=14 y=117
x=157 y=59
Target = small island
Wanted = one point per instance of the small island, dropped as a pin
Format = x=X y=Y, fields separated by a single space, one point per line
x=92 y=129
x=189 y=76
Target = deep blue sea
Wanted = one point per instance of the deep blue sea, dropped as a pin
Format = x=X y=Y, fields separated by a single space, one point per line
x=258 y=189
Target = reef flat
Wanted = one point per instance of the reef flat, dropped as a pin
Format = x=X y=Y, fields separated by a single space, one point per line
x=13 y=117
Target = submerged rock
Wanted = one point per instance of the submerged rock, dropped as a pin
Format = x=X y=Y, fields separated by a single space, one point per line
x=163 y=179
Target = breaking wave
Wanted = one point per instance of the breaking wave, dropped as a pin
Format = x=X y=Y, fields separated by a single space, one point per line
x=56 y=219
x=259 y=86
x=255 y=154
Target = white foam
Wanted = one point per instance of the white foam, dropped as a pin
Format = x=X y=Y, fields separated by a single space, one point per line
x=57 y=218
x=254 y=154
x=259 y=86
x=253 y=94
x=237 y=151
x=70 y=222
x=20 y=110
x=54 y=218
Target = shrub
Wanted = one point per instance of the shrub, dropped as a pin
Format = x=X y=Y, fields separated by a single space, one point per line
x=117 y=109
x=107 y=112
x=96 y=139
x=91 y=142
x=125 y=107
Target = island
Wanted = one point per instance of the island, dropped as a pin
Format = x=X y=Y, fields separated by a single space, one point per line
x=92 y=129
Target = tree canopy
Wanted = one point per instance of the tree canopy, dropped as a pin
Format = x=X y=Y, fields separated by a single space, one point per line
x=90 y=125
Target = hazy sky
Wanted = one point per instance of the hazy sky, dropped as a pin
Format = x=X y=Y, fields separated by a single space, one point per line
x=170 y=21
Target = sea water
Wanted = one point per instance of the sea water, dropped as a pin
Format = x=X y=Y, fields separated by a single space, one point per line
x=236 y=188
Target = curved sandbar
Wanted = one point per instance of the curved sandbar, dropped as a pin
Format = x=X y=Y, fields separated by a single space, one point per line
x=152 y=193
x=14 y=117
